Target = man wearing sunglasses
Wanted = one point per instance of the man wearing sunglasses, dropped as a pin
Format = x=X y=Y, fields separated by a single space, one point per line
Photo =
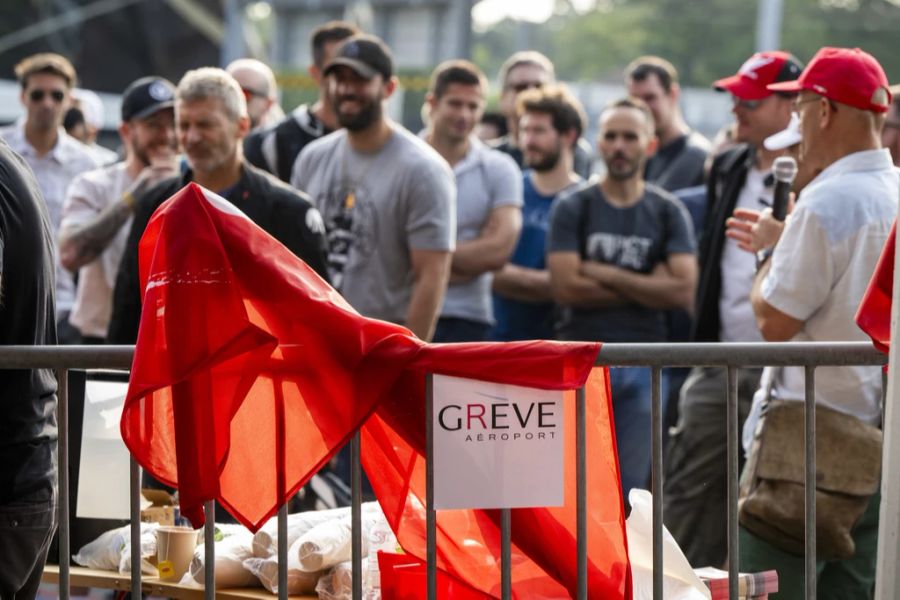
x=524 y=71
x=46 y=81
x=695 y=471
x=257 y=81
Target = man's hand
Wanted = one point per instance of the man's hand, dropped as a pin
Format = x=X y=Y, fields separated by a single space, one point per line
x=754 y=230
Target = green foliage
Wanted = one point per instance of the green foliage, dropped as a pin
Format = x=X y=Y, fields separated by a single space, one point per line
x=705 y=39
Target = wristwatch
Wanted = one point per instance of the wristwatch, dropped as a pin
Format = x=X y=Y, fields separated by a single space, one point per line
x=762 y=256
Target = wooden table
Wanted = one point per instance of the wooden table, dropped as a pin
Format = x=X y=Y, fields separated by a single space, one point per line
x=82 y=577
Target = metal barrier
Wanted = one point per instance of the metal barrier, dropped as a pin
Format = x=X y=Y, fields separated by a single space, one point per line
x=656 y=356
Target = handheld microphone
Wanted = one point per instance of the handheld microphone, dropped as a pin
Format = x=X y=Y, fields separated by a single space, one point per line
x=784 y=170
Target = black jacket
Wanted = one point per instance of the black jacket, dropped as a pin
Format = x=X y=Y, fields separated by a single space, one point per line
x=726 y=179
x=276 y=149
x=280 y=210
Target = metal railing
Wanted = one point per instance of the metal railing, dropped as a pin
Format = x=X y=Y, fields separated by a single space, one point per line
x=655 y=356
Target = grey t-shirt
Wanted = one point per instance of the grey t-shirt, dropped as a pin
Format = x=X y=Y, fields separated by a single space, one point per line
x=485 y=179
x=679 y=164
x=636 y=238
x=377 y=207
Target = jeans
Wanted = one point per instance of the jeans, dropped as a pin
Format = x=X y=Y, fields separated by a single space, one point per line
x=454 y=329
x=26 y=528
x=631 y=389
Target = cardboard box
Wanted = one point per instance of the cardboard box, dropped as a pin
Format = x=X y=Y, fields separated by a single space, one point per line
x=162 y=507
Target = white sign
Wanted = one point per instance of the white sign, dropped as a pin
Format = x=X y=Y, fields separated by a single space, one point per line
x=496 y=445
x=105 y=467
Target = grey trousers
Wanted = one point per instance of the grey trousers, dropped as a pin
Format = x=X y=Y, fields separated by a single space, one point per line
x=695 y=488
x=26 y=528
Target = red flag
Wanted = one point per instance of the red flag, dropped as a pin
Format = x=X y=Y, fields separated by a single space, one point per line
x=250 y=372
x=874 y=313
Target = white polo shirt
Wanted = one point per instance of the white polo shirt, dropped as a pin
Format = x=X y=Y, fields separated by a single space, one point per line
x=54 y=172
x=822 y=266
x=89 y=194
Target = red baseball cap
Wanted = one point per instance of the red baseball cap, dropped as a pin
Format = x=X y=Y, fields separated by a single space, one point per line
x=845 y=75
x=761 y=69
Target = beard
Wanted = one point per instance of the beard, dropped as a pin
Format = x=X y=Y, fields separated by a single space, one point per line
x=369 y=113
x=626 y=170
x=544 y=161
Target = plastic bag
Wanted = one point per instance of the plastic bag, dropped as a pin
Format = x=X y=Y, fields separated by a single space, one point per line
x=231 y=551
x=266 y=570
x=265 y=541
x=337 y=582
x=679 y=580
x=148 y=551
x=106 y=552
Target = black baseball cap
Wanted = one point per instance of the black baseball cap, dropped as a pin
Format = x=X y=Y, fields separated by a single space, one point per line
x=146 y=96
x=365 y=54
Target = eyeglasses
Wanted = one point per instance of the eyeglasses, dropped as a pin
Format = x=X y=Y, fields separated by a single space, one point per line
x=250 y=92
x=38 y=95
x=795 y=107
x=525 y=85
x=746 y=104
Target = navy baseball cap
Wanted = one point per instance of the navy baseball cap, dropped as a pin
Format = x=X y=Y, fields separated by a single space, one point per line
x=147 y=96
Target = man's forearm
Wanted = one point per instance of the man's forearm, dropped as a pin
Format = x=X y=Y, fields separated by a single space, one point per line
x=425 y=304
x=658 y=290
x=474 y=257
x=523 y=283
x=83 y=243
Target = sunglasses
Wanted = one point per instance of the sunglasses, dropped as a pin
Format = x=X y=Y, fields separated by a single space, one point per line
x=249 y=93
x=525 y=85
x=745 y=104
x=38 y=95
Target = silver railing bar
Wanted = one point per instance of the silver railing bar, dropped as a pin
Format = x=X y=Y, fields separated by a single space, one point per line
x=810 y=484
x=505 y=554
x=135 y=508
x=62 y=455
x=430 y=512
x=356 y=516
x=657 y=480
x=581 y=491
x=758 y=354
x=283 y=552
x=732 y=425
x=209 y=550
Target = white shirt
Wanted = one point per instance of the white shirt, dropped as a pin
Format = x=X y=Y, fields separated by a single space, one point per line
x=820 y=269
x=89 y=194
x=54 y=172
x=736 y=318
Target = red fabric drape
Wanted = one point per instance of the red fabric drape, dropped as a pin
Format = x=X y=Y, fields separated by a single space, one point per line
x=250 y=371
x=874 y=313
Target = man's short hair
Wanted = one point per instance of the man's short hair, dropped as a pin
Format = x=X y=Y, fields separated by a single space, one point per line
x=45 y=62
x=526 y=57
x=212 y=82
x=455 y=71
x=641 y=68
x=635 y=104
x=330 y=32
x=564 y=109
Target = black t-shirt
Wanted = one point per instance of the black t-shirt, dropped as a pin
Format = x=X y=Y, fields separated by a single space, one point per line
x=679 y=164
x=283 y=212
x=27 y=306
x=636 y=238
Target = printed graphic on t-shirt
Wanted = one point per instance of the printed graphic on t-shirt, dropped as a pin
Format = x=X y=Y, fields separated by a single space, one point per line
x=626 y=251
x=350 y=224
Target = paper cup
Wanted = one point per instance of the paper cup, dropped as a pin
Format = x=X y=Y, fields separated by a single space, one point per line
x=174 y=551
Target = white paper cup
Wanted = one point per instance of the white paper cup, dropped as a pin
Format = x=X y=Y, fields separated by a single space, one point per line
x=174 y=551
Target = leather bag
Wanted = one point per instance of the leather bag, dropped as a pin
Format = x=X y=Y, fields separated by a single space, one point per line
x=848 y=473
